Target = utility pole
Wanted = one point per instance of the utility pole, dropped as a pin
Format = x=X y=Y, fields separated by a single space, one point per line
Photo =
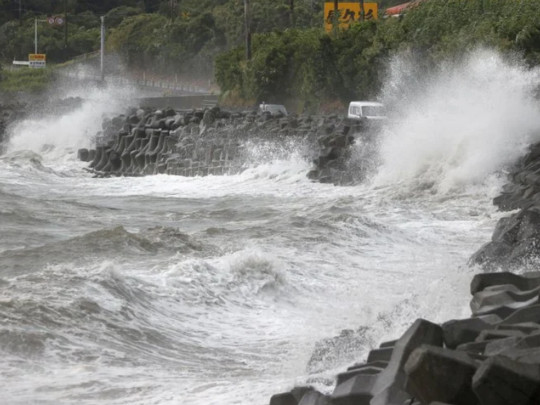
x=20 y=12
x=291 y=8
x=35 y=35
x=362 y=10
x=248 y=29
x=172 y=9
x=65 y=25
x=335 y=17
x=102 y=61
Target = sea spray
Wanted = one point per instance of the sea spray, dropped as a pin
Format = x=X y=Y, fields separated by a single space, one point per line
x=459 y=125
x=53 y=134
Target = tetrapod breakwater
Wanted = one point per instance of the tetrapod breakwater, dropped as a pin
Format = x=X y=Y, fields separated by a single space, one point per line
x=212 y=141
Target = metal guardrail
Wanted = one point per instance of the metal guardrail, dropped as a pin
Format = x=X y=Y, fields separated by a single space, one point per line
x=124 y=81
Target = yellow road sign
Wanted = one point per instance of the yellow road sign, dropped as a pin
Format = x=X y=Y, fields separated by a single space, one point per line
x=37 y=60
x=348 y=13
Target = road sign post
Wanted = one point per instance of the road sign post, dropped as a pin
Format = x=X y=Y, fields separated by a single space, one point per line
x=37 y=60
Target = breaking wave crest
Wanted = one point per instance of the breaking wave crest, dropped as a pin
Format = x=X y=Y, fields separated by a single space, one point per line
x=460 y=125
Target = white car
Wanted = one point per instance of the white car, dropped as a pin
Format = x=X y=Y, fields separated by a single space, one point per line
x=273 y=109
x=366 y=110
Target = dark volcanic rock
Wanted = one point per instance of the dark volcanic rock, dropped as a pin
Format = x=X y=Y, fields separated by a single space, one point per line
x=516 y=240
x=9 y=113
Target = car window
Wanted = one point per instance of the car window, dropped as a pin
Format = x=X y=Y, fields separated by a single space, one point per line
x=373 y=111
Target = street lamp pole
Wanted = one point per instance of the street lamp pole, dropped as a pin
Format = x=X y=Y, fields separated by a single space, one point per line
x=35 y=35
x=102 y=51
x=291 y=10
x=248 y=29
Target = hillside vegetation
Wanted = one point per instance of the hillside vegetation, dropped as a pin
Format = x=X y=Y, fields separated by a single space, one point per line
x=310 y=68
x=293 y=59
x=158 y=36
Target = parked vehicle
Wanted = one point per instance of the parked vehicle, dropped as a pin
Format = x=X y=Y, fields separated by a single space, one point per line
x=366 y=111
x=273 y=109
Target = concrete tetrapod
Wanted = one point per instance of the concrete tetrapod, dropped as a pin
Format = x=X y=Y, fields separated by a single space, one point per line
x=314 y=398
x=390 y=384
x=503 y=295
x=501 y=381
x=483 y=280
x=387 y=387
x=291 y=397
x=458 y=332
x=437 y=374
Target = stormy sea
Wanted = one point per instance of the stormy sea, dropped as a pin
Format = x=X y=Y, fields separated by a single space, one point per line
x=228 y=289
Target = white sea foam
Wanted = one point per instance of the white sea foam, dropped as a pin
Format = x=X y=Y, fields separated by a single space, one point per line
x=276 y=262
x=58 y=136
x=459 y=126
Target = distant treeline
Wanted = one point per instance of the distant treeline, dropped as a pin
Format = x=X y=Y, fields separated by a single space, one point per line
x=313 y=68
x=293 y=58
x=158 y=36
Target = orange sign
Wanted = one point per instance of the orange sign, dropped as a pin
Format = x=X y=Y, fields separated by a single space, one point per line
x=37 y=57
x=37 y=60
x=348 y=13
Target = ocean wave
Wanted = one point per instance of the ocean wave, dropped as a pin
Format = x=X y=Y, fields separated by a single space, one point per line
x=459 y=126
x=110 y=243
x=245 y=278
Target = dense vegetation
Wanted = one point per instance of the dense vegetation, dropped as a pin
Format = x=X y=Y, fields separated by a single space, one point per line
x=159 y=36
x=31 y=80
x=293 y=58
x=314 y=68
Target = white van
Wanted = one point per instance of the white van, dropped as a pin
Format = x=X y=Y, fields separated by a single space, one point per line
x=366 y=110
x=273 y=109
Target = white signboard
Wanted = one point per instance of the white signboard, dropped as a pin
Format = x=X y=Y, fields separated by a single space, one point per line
x=37 y=60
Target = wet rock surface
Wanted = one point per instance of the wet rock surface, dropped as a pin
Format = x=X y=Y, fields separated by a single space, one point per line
x=214 y=142
x=493 y=357
x=516 y=240
x=9 y=113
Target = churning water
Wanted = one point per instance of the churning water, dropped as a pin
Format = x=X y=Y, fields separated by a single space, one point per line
x=222 y=289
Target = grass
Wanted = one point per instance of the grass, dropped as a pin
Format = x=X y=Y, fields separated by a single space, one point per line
x=25 y=79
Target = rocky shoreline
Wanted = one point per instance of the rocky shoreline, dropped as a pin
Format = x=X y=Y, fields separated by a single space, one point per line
x=9 y=114
x=491 y=358
x=516 y=239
